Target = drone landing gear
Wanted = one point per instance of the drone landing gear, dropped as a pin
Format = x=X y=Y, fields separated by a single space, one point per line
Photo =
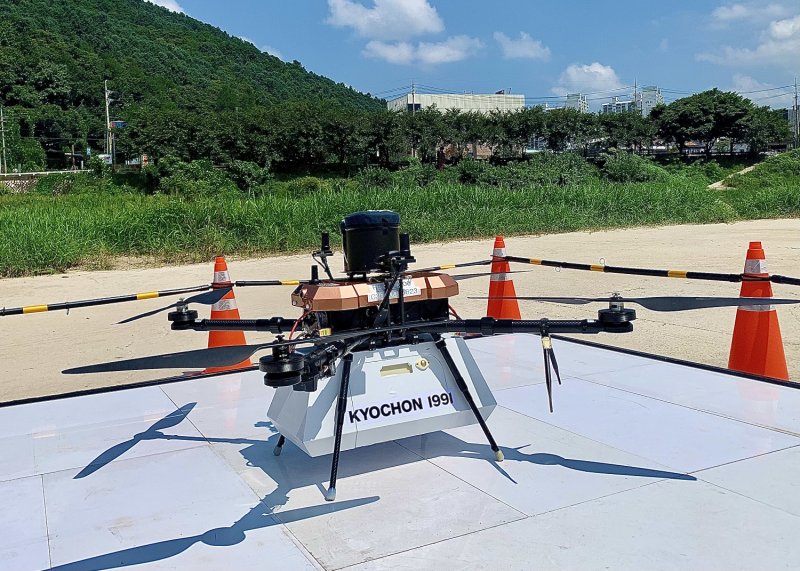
x=279 y=446
x=462 y=386
x=341 y=409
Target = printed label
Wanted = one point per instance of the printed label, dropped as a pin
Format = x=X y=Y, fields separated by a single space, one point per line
x=377 y=291
x=383 y=410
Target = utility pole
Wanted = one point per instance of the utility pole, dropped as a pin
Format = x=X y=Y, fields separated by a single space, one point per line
x=413 y=111
x=796 y=121
x=3 y=135
x=108 y=117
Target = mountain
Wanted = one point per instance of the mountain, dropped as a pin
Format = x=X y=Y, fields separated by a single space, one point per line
x=55 y=55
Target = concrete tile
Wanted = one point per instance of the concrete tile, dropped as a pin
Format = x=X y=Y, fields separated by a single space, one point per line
x=772 y=478
x=23 y=527
x=180 y=510
x=545 y=467
x=663 y=526
x=680 y=438
x=412 y=497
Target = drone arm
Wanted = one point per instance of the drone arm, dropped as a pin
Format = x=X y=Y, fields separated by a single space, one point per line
x=275 y=325
x=490 y=326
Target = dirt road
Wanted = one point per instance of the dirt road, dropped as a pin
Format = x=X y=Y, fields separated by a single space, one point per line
x=35 y=348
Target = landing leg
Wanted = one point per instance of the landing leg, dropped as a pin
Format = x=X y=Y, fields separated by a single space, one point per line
x=341 y=408
x=462 y=385
x=279 y=446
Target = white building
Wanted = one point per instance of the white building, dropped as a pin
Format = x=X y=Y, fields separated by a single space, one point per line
x=482 y=103
x=577 y=101
x=647 y=98
x=618 y=105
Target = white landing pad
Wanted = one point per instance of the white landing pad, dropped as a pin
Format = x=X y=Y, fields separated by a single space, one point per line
x=643 y=465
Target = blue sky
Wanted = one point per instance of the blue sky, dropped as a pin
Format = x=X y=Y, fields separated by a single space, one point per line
x=541 y=49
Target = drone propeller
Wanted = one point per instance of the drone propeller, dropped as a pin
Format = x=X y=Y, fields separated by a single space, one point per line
x=218 y=356
x=206 y=298
x=668 y=303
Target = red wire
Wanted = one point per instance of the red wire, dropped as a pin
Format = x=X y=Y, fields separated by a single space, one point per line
x=296 y=323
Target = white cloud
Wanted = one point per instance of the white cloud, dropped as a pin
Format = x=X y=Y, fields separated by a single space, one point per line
x=397 y=53
x=525 y=47
x=785 y=29
x=778 y=45
x=171 y=5
x=386 y=19
x=754 y=11
x=760 y=93
x=587 y=78
x=455 y=48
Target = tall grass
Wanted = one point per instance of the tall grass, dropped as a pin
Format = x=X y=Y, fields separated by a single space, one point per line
x=41 y=234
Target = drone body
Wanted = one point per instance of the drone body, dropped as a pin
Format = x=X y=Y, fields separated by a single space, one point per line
x=394 y=393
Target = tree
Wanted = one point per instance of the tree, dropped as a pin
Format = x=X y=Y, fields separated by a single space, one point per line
x=763 y=126
x=629 y=129
x=568 y=127
x=703 y=117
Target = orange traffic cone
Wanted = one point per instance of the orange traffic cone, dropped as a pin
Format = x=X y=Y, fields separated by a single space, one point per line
x=225 y=309
x=757 y=346
x=501 y=285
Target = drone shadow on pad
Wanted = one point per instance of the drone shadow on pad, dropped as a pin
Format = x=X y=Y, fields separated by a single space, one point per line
x=294 y=469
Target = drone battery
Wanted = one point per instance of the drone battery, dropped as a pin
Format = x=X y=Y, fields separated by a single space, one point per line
x=366 y=237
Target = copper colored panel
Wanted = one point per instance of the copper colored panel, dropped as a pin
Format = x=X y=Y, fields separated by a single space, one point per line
x=341 y=296
x=326 y=297
x=441 y=286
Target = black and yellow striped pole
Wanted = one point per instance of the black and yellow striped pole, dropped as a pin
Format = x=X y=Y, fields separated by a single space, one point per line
x=67 y=305
x=681 y=274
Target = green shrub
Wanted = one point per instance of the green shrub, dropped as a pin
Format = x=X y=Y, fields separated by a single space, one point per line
x=628 y=167
x=306 y=184
x=711 y=170
x=55 y=184
x=98 y=167
x=778 y=171
x=198 y=178
x=416 y=174
x=374 y=177
x=248 y=176
x=472 y=171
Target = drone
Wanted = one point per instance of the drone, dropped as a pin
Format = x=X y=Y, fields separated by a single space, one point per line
x=380 y=354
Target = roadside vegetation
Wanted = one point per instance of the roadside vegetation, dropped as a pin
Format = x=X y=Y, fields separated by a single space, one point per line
x=191 y=211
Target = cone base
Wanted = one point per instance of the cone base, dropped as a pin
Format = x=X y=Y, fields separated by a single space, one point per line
x=757 y=347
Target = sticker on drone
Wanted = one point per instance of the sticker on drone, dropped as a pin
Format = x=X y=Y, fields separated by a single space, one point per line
x=377 y=291
x=406 y=406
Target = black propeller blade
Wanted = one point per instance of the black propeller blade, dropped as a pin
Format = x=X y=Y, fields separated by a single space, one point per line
x=206 y=298
x=549 y=357
x=223 y=356
x=667 y=303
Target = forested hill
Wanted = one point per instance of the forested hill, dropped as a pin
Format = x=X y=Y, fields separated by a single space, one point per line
x=55 y=54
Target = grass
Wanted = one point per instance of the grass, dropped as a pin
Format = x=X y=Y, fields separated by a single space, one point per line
x=45 y=233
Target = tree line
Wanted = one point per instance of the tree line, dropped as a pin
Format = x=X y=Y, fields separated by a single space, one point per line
x=308 y=134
